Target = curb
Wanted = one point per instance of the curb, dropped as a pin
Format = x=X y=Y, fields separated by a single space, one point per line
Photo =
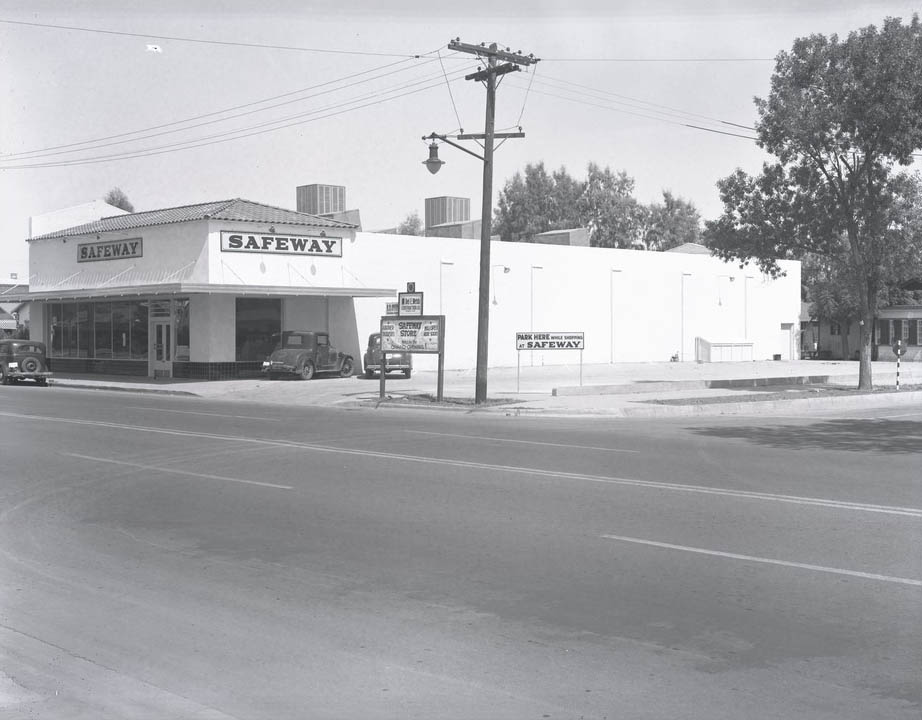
x=118 y=388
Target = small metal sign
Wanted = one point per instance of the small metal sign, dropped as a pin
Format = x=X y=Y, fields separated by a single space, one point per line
x=410 y=303
x=899 y=348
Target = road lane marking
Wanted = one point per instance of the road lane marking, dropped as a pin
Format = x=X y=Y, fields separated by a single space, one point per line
x=173 y=471
x=524 y=442
x=537 y=472
x=190 y=412
x=768 y=561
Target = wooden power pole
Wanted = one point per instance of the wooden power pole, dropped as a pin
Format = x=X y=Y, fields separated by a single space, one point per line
x=510 y=63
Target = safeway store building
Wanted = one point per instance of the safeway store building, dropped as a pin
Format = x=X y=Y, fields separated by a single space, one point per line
x=195 y=291
x=199 y=291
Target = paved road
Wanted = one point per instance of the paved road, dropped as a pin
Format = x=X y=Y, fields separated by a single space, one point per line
x=176 y=557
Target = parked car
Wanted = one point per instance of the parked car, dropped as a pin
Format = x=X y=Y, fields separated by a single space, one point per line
x=396 y=361
x=23 y=360
x=304 y=353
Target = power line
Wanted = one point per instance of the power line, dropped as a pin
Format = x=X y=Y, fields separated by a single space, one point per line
x=100 y=142
x=658 y=60
x=207 y=42
x=567 y=85
x=638 y=114
x=242 y=132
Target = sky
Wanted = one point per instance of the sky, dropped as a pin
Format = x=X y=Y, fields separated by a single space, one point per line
x=178 y=103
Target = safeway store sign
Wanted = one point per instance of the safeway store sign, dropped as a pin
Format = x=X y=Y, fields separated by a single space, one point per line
x=550 y=341
x=282 y=244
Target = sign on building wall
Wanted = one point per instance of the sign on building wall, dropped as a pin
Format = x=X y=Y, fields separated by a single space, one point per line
x=417 y=335
x=550 y=341
x=282 y=244
x=110 y=250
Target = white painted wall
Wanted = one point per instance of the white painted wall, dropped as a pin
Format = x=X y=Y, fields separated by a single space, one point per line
x=212 y=320
x=633 y=315
x=172 y=253
x=632 y=305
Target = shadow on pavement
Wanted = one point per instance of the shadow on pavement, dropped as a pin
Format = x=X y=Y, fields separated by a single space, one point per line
x=900 y=436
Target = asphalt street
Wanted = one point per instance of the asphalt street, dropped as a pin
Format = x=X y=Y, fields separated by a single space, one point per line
x=179 y=557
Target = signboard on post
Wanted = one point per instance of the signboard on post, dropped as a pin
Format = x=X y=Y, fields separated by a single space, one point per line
x=420 y=334
x=410 y=303
x=549 y=341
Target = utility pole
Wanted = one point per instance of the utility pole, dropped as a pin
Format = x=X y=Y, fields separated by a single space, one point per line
x=488 y=75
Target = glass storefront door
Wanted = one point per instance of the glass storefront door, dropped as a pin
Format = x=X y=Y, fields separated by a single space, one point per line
x=162 y=355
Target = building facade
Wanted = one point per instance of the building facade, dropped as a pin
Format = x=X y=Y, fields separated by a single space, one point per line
x=200 y=291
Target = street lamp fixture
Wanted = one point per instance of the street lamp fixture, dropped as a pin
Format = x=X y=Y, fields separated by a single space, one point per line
x=433 y=163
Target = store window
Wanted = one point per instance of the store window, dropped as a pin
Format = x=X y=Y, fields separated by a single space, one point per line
x=100 y=330
x=259 y=321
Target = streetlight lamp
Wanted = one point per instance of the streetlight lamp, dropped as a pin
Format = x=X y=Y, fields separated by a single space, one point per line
x=682 y=346
x=611 y=295
x=506 y=270
x=486 y=75
x=442 y=263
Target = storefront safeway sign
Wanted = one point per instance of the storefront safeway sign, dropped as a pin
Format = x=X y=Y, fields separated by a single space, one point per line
x=282 y=244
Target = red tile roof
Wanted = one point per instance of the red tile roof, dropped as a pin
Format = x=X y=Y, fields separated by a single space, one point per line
x=236 y=209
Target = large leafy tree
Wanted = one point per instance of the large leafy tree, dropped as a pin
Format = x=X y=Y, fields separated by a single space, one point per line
x=608 y=208
x=671 y=223
x=841 y=115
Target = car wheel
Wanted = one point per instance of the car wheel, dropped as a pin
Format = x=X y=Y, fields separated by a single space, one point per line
x=369 y=373
x=307 y=370
x=4 y=380
x=346 y=369
x=407 y=373
x=30 y=364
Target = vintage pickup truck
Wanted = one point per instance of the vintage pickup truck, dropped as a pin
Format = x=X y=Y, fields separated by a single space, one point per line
x=304 y=353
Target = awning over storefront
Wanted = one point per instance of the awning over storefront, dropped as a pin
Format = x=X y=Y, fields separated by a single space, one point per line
x=172 y=289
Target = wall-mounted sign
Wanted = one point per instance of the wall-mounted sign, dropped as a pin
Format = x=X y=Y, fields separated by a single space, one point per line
x=550 y=341
x=110 y=250
x=390 y=308
x=410 y=303
x=418 y=335
x=282 y=244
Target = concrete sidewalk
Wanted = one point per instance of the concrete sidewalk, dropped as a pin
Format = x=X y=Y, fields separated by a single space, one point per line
x=614 y=390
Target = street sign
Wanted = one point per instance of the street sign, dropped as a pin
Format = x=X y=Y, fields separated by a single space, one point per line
x=899 y=348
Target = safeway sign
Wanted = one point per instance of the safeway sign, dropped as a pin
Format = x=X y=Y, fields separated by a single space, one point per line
x=550 y=341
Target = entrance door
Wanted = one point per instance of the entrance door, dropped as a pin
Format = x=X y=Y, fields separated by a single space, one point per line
x=162 y=357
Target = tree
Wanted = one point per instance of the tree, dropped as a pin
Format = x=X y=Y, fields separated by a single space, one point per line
x=839 y=118
x=527 y=205
x=608 y=208
x=119 y=199
x=671 y=223
x=411 y=225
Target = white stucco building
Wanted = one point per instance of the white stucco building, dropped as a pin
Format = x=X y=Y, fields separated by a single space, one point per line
x=198 y=291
